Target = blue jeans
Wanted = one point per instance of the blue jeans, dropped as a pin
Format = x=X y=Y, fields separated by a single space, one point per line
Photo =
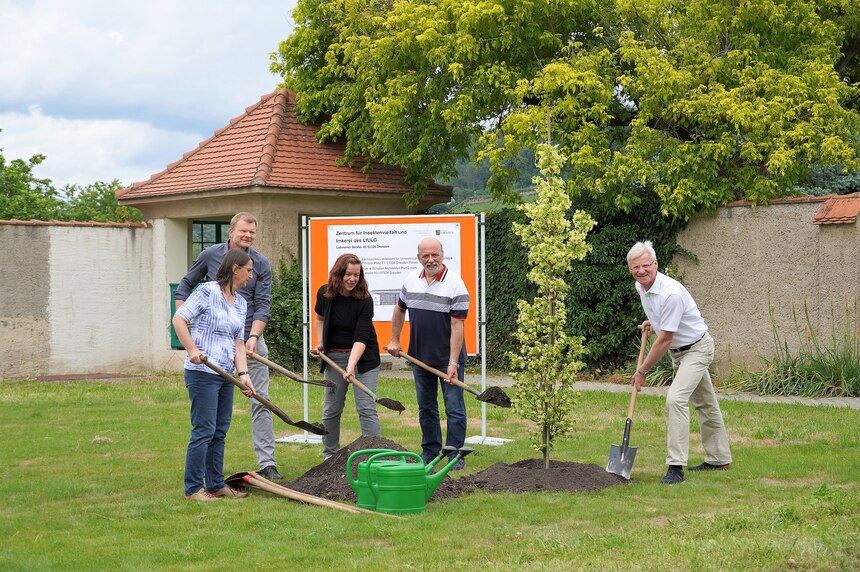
x=426 y=393
x=211 y=411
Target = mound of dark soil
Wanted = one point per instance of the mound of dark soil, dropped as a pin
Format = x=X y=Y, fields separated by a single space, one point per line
x=328 y=479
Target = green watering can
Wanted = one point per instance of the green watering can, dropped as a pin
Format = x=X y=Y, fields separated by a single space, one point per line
x=398 y=486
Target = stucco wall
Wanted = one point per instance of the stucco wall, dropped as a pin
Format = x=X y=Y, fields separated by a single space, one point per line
x=93 y=299
x=748 y=257
x=25 y=330
x=76 y=299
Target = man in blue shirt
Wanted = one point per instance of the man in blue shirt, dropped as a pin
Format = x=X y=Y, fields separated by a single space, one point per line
x=257 y=293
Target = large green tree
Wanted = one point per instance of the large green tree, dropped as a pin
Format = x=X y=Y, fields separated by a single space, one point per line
x=701 y=101
x=97 y=202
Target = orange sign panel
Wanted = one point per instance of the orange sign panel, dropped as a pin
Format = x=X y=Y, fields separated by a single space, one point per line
x=388 y=249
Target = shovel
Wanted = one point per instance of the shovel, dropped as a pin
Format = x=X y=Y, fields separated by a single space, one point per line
x=621 y=457
x=288 y=373
x=383 y=401
x=493 y=395
x=237 y=480
x=309 y=427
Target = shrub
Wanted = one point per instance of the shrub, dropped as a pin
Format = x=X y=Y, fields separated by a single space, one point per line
x=284 y=330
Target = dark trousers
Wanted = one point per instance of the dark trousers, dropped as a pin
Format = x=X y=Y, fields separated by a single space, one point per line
x=426 y=392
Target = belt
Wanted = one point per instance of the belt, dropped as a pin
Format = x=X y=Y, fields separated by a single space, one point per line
x=340 y=350
x=688 y=346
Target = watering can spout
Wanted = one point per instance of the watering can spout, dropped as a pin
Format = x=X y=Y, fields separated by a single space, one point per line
x=446 y=451
x=434 y=480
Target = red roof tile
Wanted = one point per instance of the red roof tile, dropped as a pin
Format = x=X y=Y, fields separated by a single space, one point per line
x=839 y=210
x=267 y=146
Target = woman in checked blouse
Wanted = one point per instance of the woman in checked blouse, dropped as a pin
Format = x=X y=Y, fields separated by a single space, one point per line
x=216 y=316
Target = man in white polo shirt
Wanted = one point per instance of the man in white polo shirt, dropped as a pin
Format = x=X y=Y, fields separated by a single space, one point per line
x=438 y=304
x=674 y=317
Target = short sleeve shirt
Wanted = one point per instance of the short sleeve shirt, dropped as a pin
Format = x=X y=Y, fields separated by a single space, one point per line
x=670 y=307
x=431 y=308
x=215 y=325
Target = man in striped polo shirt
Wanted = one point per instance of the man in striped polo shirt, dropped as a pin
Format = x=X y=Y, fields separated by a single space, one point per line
x=438 y=304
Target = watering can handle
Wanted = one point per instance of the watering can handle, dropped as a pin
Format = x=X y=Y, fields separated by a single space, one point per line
x=352 y=481
x=401 y=454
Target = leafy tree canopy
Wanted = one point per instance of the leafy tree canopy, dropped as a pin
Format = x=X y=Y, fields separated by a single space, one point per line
x=24 y=196
x=702 y=101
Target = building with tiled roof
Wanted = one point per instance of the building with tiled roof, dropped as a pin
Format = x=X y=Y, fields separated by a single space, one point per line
x=268 y=163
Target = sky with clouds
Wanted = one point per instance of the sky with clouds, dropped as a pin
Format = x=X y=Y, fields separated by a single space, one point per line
x=113 y=89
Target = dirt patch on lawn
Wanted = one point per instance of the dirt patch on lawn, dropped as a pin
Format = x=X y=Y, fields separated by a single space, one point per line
x=328 y=479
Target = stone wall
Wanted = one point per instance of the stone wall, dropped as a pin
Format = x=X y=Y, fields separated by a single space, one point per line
x=86 y=298
x=749 y=257
x=76 y=299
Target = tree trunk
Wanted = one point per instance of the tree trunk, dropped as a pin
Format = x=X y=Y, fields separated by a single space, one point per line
x=546 y=446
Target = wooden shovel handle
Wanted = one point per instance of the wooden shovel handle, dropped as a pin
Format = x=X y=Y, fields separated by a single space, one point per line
x=267 y=485
x=638 y=365
x=266 y=403
x=281 y=369
x=274 y=366
x=351 y=379
x=439 y=373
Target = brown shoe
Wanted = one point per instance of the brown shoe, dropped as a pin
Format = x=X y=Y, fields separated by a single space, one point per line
x=202 y=496
x=228 y=491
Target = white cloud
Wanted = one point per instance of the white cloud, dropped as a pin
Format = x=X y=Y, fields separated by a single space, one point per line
x=82 y=151
x=121 y=76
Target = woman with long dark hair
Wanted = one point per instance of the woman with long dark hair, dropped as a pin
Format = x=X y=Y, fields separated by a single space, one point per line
x=343 y=322
x=217 y=319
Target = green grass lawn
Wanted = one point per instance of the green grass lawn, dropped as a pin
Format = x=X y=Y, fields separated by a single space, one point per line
x=92 y=479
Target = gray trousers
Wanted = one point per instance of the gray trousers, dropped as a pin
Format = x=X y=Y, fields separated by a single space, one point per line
x=261 y=418
x=335 y=397
x=692 y=386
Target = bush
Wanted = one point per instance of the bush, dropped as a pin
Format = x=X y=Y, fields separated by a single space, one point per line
x=284 y=330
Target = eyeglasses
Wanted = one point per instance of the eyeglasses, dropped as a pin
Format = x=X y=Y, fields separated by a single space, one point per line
x=639 y=267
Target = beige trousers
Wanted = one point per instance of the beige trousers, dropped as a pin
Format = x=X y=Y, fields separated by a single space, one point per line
x=692 y=385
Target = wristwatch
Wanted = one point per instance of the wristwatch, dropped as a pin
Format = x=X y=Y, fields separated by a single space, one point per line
x=241 y=373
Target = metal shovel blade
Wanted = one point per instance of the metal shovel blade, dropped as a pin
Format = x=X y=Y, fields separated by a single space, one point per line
x=621 y=460
x=310 y=427
x=621 y=456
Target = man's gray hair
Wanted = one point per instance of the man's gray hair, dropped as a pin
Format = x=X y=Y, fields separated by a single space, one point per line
x=432 y=240
x=641 y=248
